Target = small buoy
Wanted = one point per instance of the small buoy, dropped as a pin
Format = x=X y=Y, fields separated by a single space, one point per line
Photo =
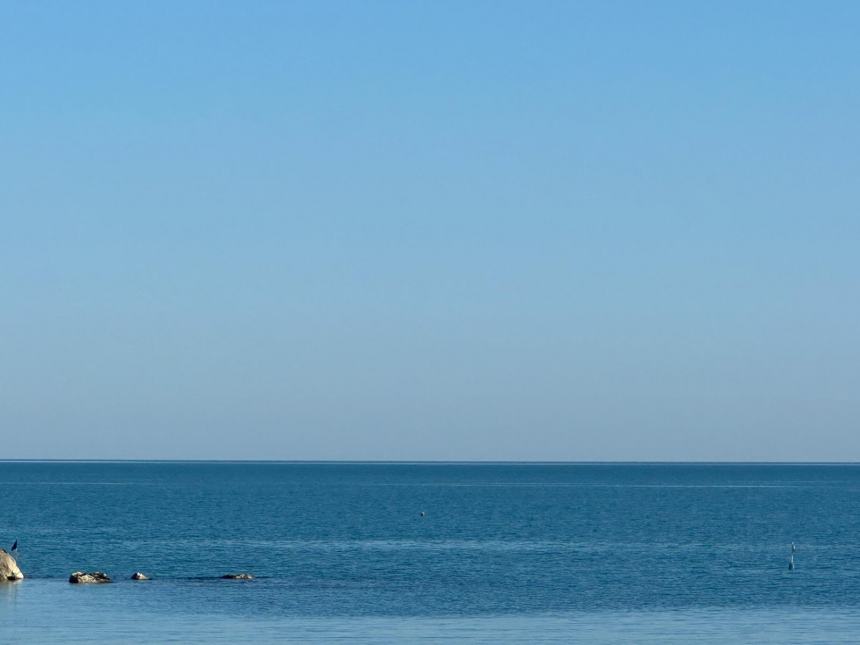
x=422 y=514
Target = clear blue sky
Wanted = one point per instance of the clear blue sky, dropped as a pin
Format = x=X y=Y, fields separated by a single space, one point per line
x=430 y=230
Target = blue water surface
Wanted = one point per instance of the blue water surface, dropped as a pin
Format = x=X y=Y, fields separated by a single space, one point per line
x=595 y=552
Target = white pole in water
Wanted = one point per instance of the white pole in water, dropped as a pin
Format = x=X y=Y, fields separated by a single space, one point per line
x=791 y=562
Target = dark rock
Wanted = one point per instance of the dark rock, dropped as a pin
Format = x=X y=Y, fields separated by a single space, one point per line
x=94 y=577
x=137 y=575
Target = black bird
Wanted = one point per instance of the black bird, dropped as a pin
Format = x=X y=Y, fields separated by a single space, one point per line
x=14 y=546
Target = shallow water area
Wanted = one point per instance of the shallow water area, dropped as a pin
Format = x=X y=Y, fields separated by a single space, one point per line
x=49 y=611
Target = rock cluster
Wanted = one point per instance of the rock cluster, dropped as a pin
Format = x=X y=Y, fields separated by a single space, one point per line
x=8 y=567
x=9 y=571
x=94 y=577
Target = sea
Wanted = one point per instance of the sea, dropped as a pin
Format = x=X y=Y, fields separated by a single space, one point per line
x=433 y=552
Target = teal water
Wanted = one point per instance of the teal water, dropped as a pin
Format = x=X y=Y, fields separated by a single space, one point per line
x=504 y=552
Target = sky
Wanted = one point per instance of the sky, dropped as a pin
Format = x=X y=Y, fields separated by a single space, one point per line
x=430 y=230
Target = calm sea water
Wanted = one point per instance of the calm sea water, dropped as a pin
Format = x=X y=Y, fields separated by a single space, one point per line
x=588 y=552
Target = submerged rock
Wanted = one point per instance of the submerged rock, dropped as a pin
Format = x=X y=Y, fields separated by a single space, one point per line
x=137 y=575
x=94 y=577
x=8 y=567
x=237 y=576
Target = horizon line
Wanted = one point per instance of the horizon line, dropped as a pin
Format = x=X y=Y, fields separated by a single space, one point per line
x=525 y=462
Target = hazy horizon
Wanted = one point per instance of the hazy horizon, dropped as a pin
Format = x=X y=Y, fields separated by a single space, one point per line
x=407 y=462
x=478 y=231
